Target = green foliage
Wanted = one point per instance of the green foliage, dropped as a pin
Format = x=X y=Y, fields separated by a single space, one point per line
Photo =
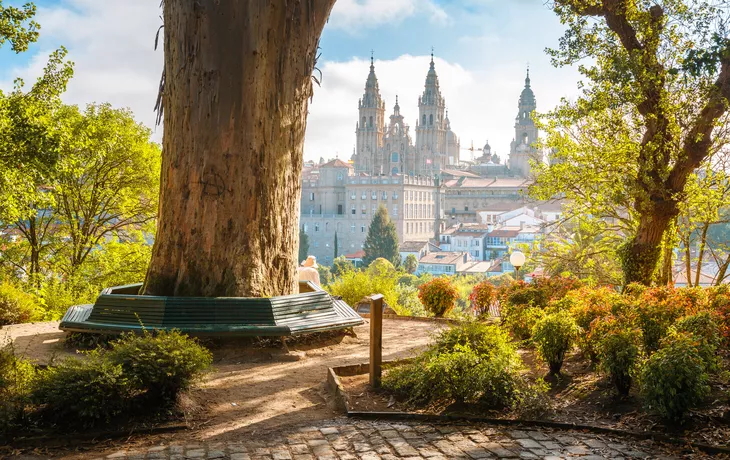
x=675 y=378
x=658 y=308
x=591 y=305
x=17 y=306
x=382 y=239
x=381 y=267
x=554 y=335
x=84 y=391
x=410 y=264
x=438 y=296
x=353 y=286
x=619 y=354
x=408 y=303
x=17 y=378
x=483 y=297
x=705 y=330
x=520 y=320
x=464 y=285
x=719 y=303
x=18 y=27
x=325 y=275
x=340 y=266
x=303 y=245
x=163 y=363
x=633 y=120
x=473 y=363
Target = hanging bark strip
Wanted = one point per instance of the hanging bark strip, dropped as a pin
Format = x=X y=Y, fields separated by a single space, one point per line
x=237 y=84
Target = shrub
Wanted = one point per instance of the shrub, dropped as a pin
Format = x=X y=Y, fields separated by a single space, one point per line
x=17 y=306
x=521 y=319
x=482 y=297
x=589 y=306
x=619 y=354
x=485 y=339
x=438 y=296
x=674 y=378
x=554 y=335
x=17 y=377
x=539 y=292
x=705 y=330
x=657 y=309
x=408 y=303
x=163 y=363
x=353 y=286
x=84 y=391
x=473 y=362
x=719 y=303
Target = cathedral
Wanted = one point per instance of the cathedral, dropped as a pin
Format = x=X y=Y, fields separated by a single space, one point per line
x=390 y=149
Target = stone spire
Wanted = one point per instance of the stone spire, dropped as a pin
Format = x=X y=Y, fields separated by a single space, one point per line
x=371 y=98
x=527 y=98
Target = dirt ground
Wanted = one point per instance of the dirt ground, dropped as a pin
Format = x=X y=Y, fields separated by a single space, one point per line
x=253 y=389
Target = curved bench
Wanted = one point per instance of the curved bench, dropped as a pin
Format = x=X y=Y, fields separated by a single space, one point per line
x=119 y=309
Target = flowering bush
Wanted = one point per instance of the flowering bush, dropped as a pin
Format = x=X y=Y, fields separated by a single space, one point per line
x=521 y=319
x=539 y=292
x=588 y=307
x=438 y=296
x=554 y=335
x=659 y=307
x=719 y=303
x=705 y=330
x=482 y=297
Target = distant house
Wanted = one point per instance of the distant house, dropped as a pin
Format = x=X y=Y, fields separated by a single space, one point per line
x=417 y=248
x=443 y=263
x=356 y=258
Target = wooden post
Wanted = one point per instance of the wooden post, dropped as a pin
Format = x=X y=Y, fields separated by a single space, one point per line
x=376 y=339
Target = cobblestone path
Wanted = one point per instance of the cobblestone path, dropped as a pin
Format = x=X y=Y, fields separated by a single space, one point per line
x=377 y=440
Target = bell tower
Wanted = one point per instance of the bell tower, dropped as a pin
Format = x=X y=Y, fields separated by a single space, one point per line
x=431 y=150
x=369 y=129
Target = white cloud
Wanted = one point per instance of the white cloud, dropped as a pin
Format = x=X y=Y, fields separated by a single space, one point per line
x=112 y=46
x=356 y=15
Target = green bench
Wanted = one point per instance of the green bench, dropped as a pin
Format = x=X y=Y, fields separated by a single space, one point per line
x=119 y=309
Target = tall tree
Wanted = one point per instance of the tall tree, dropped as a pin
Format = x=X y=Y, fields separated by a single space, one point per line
x=237 y=82
x=17 y=26
x=31 y=134
x=336 y=247
x=303 y=245
x=411 y=264
x=382 y=239
x=108 y=179
x=653 y=110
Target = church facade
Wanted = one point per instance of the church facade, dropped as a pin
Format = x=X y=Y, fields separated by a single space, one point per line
x=391 y=150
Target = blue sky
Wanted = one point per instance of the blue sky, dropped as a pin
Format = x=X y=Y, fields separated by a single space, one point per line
x=482 y=48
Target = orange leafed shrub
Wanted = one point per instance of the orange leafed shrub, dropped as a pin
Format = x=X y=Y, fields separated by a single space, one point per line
x=438 y=296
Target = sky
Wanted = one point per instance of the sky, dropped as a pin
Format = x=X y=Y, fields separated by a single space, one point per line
x=481 y=47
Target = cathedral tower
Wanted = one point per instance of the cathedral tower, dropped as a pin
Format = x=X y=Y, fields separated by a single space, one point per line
x=431 y=147
x=523 y=148
x=370 y=127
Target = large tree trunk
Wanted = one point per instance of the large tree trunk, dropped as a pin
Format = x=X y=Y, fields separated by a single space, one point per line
x=237 y=85
x=640 y=255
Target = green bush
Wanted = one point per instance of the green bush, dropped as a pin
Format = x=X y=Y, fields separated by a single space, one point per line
x=162 y=363
x=719 y=304
x=438 y=296
x=473 y=363
x=703 y=327
x=84 y=391
x=619 y=354
x=659 y=307
x=17 y=306
x=485 y=339
x=17 y=377
x=521 y=319
x=353 y=286
x=408 y=303
x=674 y=378
x=554 y=335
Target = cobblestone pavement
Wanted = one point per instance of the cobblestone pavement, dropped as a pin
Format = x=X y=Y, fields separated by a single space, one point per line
x=377 y=440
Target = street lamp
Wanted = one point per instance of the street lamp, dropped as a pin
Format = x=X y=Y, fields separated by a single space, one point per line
x=517 y=259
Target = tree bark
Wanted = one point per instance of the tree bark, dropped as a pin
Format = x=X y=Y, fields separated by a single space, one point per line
x=236 y=91
x=641 y=254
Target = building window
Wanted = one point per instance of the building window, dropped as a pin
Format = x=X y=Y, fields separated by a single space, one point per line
x=364 y=196
x=364 y=209
x=316 y=227
x=375 y=209
x=354 y=211
x=311 y=196
x=395 y=210
x=353 y=196
x=371 y=122
x=394 y=171
x=385 y=195
x=352 y=228
x=363 y=123
x=339 y=177
x=375 y=195
x=394 y=157
x=424 y=120
x=430 y=120
x=340 y=209
x=305 y=228
x=362 y=229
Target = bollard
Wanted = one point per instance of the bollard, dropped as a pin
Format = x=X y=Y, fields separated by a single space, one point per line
x=376 y=339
